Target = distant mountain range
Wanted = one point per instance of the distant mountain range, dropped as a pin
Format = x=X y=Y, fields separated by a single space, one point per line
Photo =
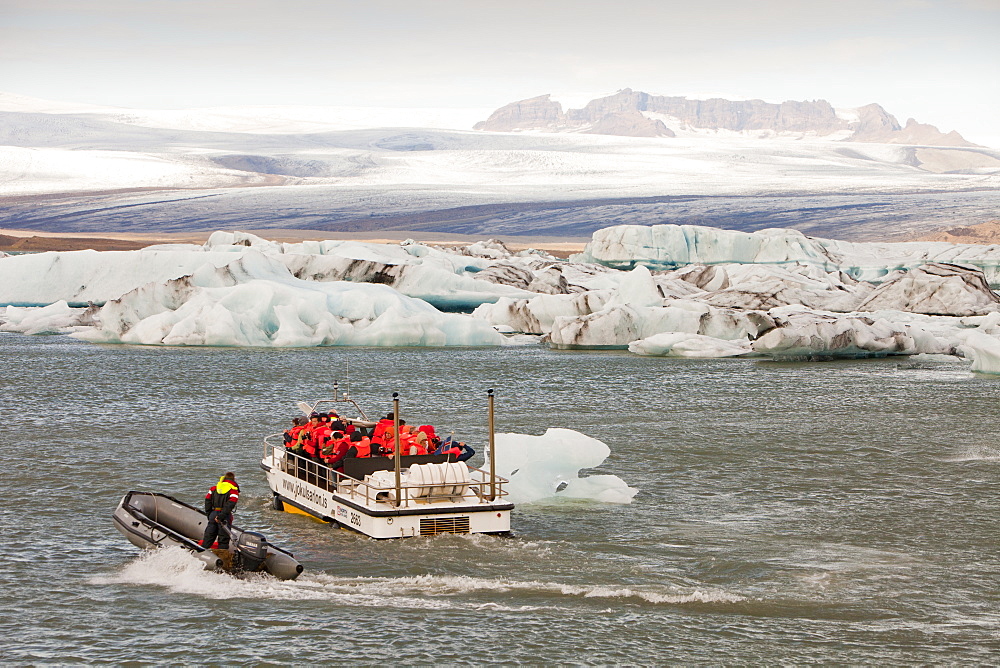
x=632 y=113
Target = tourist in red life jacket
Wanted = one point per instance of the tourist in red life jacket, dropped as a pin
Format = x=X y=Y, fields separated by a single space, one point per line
x=220 y=502
x=336 y=450
x=408 y=440
x=385 y=449
x=429 y=430
x=291 y=436
x=326 y=424
x=340 y=425
x=378 y=436
x=419 y=441
x=361 y=446
x=314 y=424
x=313 y=444
x=315 y=438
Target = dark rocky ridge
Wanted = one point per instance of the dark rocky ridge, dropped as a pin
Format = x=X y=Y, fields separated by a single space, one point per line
x=624 y=114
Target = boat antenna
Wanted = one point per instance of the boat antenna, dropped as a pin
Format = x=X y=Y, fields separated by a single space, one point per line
x=395 y=436
x=347 y=394
x=493 y=459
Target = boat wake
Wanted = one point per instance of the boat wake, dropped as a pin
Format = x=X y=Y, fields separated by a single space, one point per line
x=987 y=453
x=179 y=572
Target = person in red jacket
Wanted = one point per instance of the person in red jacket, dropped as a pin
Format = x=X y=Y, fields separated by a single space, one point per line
x=361 y=446
x=220 y=502
x=315 y=436
x=378 y=435
x=291 y=436
x=336 y=450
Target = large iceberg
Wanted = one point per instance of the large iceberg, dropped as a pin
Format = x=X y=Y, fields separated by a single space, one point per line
x=802 y=334
x=254 y=301
x=935 y=289
x=674 y=246
x=447 y=280
x=89 y=276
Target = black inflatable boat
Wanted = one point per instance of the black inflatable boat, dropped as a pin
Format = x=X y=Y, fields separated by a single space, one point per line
x=150 y=520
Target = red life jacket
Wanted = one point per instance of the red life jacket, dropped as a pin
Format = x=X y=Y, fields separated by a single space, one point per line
x=380 y=428
x=333 y=454
x=364 y=447
x=293 y=436
x=317 y=439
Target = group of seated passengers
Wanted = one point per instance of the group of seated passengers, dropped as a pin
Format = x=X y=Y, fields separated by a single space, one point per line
x=327 y=439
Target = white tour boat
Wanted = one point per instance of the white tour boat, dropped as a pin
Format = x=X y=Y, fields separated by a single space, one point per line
x=388 y=497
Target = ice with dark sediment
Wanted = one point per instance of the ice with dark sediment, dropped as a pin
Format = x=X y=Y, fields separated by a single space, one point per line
x=934 y=289
x=254 y=301
x=799 y=333
x=774 y=293
x=673 y=246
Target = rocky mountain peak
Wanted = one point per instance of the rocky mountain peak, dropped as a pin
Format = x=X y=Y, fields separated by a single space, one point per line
x=638 y=114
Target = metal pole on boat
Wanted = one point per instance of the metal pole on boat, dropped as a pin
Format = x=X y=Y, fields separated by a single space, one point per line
x=493 y=458
x=395 y=436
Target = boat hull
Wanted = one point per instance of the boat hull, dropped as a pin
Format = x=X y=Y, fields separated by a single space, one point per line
x=351 y=510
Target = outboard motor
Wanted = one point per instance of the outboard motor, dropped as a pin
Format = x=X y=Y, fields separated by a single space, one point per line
x=251 y=550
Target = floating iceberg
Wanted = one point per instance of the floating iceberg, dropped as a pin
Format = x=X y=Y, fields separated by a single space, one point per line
x=254 y=301
x=804 y=334
x=548 y=466
x=537 y=315
x=57 y=318
x=673 y=246
x=79 y=277
x=616 y=326
x=710 y=293
x=682 y=344
x=935 y=289
x=984 y=351
x=446 y=280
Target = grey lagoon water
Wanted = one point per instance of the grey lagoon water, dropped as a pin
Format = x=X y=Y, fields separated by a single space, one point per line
x=840 y=512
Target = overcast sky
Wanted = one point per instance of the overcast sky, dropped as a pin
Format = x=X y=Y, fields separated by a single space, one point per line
x=935 y=60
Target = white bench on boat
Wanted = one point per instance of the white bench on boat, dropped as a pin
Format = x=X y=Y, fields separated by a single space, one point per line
x=425 y=481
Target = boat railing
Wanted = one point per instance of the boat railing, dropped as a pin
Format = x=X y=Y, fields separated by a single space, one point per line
x=369 y=491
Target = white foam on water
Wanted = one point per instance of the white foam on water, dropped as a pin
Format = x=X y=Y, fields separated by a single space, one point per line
x=180 y=573
x=975 y=453
x=457 y=585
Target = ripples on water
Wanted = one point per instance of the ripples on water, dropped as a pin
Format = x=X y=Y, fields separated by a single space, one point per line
x=829 y=512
